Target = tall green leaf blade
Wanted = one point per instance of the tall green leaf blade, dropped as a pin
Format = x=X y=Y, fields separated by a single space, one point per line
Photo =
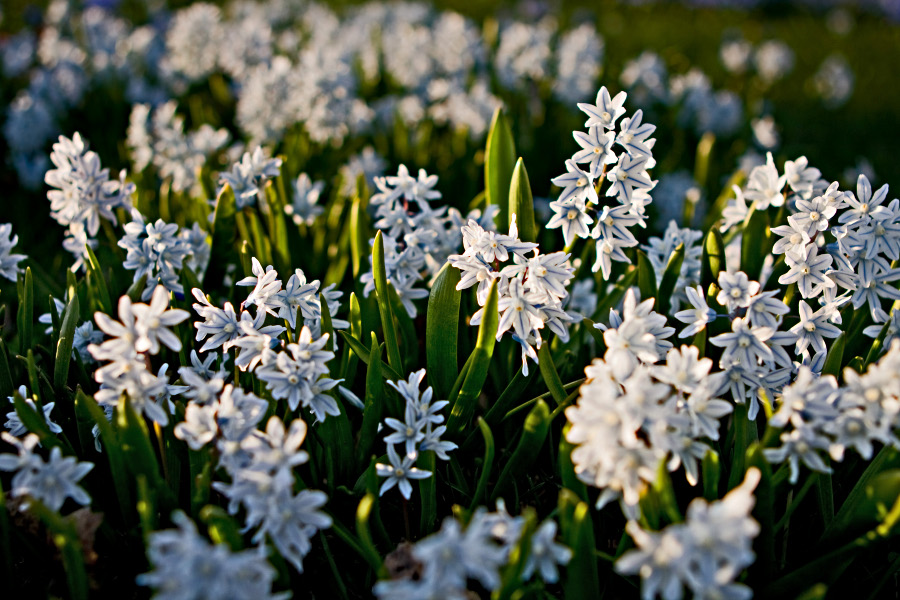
x=224 y=228
x=101 y=291
x=713 y=259
x=669 y=279
x=581 y=579
x=374 y=405
x=442 y=331
x=521 y=203
x=64 y=344
x=384 y=305
x=463 y=405
x=646 y=277
x=499 y=161
x=754 y=244
x=25 y=316
x=550 y=375
x=534 y=433
x=111 y=448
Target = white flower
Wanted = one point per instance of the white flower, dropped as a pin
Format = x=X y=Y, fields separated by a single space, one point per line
x=9 y=262
x=52 y=481
x=606 y=110
x=305 y=205
x=546 y=554
x=698 y=316
x=807 y=270
x=398 y=472
x=764 y=186
x=745 y=344
x=735 y=290
x=152 y=322
x=813 y=328
x=187 y=566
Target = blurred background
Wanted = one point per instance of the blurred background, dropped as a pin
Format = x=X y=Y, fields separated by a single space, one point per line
x=418 y=82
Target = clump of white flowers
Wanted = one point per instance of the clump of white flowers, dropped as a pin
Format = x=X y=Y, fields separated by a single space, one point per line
x=419 y=431
x=83 y=193
x=186 y=565
x=51 y=481
x=417 y=238
x=626 y=170
x=634 y=412
x=142 y=329
x=478 y=551
x=531 y=289
x=705 y=554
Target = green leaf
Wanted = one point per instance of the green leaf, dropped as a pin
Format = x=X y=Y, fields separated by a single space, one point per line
x=521 y=203
x=427 y=493
x=384 y=305
x=513 y=392
x=581 y=576
x=407 y=330
x=135 y=442
x=374 y=405
x=835 y=356
x=25 y=316
x=611 y=299
x=499 y=161
x=64 y=344
x=363 y=353
x=463 y=405
x=6 y=381
x=223 y=236
x=669 y=279
x=486 y=465
x=646 y=277
x=550 y=375
x=363 y=514
x=534 y=432
x=709 y=474
x=137 y=288
x=713 y=260
x=857 y=507
x=111 y=449
x=98 y=281
x=358 y=236
x=569 y=479
x=34 y=422
x=754 y=243
x=222 y=527
x=442 y=331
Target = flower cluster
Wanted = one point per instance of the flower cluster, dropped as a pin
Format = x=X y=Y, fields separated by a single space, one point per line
x=249 y=176
x=83 y=194
x=260 y=466
x=156 y=136
x=531 y=291
x=453 y=555
x=419 y=431
x=706 y=553
x=52 y=481
x=820 y=417
x=158 y=251
x=632 y=413
x=578 y=204
x=142 y=329
x=187 y=566
x=417 y=238
x=14 y=424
